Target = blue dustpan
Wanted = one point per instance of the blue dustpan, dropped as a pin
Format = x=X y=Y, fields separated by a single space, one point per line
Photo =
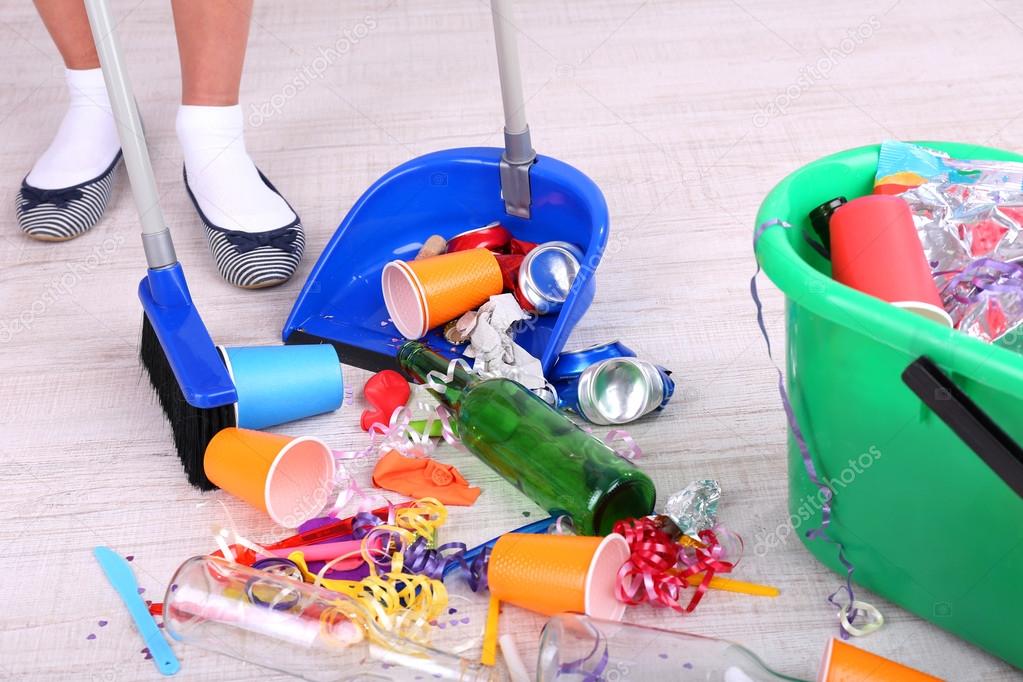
x=442 y=193
x=537 y=198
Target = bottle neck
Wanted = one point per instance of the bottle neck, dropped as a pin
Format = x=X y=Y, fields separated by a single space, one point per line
x=419 y=360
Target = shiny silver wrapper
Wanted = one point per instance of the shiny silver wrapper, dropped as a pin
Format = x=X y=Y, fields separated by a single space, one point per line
x=695 y=507
x=619 y=391
x=959 y=224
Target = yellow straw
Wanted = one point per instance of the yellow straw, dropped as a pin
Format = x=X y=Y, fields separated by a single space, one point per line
x=729 y=585
x=489 y=656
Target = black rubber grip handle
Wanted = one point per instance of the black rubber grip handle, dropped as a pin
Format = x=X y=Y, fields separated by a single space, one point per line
x=972 y=424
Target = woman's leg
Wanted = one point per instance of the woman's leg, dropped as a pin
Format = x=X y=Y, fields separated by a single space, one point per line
x=223 y=182
x=68 y=25
x=212 y=35
x=80 y=158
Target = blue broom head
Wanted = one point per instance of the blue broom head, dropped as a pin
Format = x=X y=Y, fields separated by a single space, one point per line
x=186 y=371
x=190 y=352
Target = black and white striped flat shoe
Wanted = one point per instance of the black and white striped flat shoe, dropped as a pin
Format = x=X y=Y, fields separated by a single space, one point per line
x=56 y=215
x=254 y=260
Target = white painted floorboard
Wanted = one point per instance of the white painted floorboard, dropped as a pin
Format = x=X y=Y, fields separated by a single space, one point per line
x=666 y=104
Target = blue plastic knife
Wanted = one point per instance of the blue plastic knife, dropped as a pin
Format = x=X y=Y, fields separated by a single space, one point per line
x=120 y=575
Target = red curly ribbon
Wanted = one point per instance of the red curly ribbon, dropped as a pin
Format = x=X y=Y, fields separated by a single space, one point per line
x=659 y=568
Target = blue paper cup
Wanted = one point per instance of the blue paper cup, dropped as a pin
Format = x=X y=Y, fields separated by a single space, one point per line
x=279 y=384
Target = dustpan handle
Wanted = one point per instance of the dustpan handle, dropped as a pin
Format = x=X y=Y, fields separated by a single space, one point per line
x=518 y=148
x=156 y=238
x=967 y=420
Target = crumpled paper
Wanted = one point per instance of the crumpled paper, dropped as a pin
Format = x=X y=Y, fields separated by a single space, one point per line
x=492 y=344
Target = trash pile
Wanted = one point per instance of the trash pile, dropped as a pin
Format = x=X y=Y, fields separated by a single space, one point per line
x=351 y=595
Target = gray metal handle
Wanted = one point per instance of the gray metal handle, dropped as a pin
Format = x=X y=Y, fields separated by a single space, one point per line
x=156 y=238
x=518 y=148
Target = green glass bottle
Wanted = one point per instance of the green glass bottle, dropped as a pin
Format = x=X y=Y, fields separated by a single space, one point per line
x=536 y=448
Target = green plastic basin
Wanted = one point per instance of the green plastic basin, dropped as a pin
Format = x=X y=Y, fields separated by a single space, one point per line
x=926 y=523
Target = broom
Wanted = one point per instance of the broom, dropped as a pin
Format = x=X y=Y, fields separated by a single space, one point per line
x=186 y=370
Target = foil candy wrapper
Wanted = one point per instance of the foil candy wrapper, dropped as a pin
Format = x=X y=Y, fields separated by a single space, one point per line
x=959 y=226
x=695 y=507
x=966 y=214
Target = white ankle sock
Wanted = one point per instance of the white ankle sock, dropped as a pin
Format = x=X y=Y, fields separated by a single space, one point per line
x=221 y=175
x=86 y=142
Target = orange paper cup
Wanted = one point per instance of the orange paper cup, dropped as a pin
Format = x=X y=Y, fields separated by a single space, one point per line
x=559 y=573
x=424 y=294
x=846 y=663
x=289 y=478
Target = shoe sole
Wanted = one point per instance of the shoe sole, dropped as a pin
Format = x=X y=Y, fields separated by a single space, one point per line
x=44 y=238
x=263 y=285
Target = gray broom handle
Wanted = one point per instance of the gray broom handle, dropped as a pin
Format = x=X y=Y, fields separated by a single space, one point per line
x=516 y=130
x=156 y=238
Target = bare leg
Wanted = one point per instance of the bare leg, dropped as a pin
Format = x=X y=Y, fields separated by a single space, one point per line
x=212 y=35
x=68 y=25
x=222 y=179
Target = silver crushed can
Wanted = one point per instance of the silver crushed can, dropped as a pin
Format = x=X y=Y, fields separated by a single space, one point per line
x=547 y=274
x=621 y=390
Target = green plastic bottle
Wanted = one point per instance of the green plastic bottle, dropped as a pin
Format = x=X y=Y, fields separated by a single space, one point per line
x=536 y=448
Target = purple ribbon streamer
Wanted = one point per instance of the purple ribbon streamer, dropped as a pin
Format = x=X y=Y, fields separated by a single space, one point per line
x=579 y=666
x=999 y=278
x=797 y=434
x=420 y=558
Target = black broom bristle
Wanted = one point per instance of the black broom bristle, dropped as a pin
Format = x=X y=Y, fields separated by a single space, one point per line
x=193 y=427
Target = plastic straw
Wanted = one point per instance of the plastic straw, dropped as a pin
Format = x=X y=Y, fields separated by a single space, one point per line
x=489 y=655
x=729 y=585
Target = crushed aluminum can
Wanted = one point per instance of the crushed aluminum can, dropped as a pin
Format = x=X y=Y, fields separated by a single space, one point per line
x=621 y=390
x=547 y=274
x=492 y=236
x=570 y=364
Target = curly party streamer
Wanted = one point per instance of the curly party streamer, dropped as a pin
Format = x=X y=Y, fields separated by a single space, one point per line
x=659 y=568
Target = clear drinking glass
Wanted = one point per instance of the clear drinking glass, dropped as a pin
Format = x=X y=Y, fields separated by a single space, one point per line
x=577 y=648
x=277 y=622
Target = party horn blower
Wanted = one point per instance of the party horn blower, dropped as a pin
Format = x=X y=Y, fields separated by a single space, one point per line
x=845 y=663
x=289 y=478
x=875 y=249
x=424 y=294
x=552 y=574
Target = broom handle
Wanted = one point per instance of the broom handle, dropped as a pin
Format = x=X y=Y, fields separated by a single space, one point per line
x=156 y=238
x=508 y=67
x=518 y=148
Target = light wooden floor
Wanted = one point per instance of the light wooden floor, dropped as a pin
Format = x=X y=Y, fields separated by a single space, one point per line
x=665 y=103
